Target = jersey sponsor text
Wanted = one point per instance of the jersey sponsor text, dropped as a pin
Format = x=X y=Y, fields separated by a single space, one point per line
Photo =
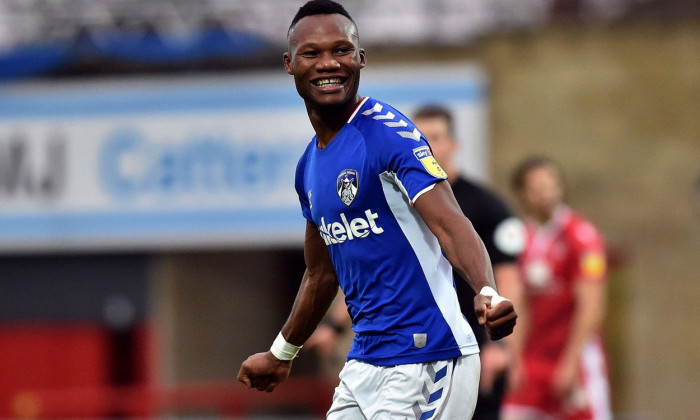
x=344 y=230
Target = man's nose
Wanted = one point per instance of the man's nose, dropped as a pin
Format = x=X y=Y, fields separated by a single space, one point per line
x=327 y=62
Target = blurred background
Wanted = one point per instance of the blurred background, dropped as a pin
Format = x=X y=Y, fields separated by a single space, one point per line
x=150 y=236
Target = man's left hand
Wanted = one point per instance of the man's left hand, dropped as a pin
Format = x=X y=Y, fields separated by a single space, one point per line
x=498 y=319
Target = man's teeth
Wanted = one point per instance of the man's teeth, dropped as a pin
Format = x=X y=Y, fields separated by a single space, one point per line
x=326 y=82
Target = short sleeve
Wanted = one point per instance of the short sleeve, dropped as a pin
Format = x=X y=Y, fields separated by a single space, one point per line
x=415 y=168
x=403 y=152
x=507 y=240
x=304 y=196
x=589 y=247
x=502 y=233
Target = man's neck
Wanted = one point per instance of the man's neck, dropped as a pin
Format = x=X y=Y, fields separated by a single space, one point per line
x=547 y=218
x=328 y=121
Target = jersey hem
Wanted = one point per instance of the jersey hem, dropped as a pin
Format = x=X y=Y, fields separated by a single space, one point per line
x=417 y=358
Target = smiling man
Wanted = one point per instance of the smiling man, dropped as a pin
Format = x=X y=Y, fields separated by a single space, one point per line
x=382 y=225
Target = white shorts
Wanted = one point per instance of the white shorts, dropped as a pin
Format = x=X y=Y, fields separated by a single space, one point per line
x=440 y=390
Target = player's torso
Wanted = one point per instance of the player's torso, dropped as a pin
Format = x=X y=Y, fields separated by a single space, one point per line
x=372 y=233
x=370 y=252
x=548 y=265
x=344 y=192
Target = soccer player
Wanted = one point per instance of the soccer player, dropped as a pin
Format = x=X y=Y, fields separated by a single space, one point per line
x=562 y=370
x=503 y=236
x=383 y=226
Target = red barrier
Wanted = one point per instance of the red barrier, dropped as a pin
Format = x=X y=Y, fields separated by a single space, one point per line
x=40 y=356
x=307 y=395
x=50 y=370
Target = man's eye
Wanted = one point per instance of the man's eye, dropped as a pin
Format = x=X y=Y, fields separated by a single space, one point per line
x=343 y=51
x=308 y=54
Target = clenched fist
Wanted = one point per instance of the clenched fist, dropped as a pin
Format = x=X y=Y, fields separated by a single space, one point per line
x=263 y=371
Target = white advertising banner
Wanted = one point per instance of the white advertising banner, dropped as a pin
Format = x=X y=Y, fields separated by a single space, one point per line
x=179 y=163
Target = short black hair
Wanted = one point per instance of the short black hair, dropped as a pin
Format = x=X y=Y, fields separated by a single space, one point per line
x=436 y=111
x=319 y=7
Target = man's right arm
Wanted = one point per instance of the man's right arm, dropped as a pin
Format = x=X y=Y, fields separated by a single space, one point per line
x=465 y=250
x=317 y=291
x=264 y=371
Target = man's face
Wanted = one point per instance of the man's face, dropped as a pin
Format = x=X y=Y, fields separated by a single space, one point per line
x=443 y=145
x=542 y=191
x=325 y=59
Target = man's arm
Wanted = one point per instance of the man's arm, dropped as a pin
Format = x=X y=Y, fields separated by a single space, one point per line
x=587 y=321
x=510 y=286
x=319 y=286
x=318 y=289
x=496 y=358
x=467 y=254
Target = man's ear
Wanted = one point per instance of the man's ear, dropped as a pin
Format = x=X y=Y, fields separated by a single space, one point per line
x=363 y=58
x=287 y=59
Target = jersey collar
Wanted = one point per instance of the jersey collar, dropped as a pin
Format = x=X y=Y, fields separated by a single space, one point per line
x=357 y=109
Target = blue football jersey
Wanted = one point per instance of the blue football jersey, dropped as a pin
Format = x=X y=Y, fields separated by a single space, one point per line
x=398 y=286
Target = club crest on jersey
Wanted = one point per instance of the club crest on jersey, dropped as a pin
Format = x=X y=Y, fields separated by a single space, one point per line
x=425 y=156
x=347 y=184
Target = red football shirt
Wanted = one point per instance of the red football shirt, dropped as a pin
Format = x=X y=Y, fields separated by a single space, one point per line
x=557 y=255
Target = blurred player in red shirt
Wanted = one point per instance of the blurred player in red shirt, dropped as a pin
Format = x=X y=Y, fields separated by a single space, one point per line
x=561 y=372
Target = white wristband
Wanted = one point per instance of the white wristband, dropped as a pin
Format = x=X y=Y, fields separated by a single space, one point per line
x=283 y=350
x=495 y=297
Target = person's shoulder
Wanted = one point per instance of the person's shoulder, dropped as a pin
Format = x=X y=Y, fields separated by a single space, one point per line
x=485 y=196
x=301 y=163
x=378 y=120
x=582 y=231
x=477 y=188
